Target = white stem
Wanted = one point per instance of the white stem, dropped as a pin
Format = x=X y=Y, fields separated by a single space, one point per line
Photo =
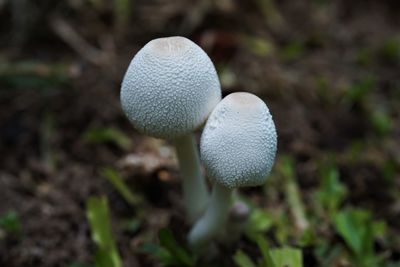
x=214 y=219
x=195 y=190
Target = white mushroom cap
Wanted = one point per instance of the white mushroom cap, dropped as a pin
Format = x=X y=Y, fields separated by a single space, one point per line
x=239 y=141
x=170 y=88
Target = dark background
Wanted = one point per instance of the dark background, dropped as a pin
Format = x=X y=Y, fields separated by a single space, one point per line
x=328 y=70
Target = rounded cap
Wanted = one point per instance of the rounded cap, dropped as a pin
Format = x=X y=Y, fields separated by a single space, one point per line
x=239 y=141
x=170 y=88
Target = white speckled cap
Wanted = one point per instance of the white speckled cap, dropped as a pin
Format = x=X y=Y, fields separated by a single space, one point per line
x=239 y=141
x=170 y=88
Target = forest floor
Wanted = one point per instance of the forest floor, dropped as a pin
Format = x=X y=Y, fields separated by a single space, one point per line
x=328 y=70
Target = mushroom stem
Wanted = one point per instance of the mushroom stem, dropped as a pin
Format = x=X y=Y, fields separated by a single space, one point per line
x=214 y=218
x=195 y=190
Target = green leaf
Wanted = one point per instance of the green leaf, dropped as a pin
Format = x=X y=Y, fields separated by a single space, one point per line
x=282 y=257
x=287 y=257
x=349 y=225
x=10 y=222
x=265 y=252
x=108 y=134
x=99 y=220
x=331 y=192
x=260 y=221
x=113 y=177
x=358 y=230
x=182 y=257
x=242 y=260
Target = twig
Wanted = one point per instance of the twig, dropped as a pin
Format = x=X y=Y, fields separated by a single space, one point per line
x=76 y=42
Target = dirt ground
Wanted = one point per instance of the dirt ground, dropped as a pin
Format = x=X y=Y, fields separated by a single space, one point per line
x=328 y=70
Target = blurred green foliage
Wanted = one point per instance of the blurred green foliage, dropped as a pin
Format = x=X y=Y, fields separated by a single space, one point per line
x=260 y=221
x=99 y=220
x=10 y=222
x=271 y=13
x=122 y=13
x=168 y=251
x=357 y=91
x=381 y=122
x=390 y=50
x=34 y=75
x=78 y=264
x=359 y=231
x=287 y=257
x=256 y=45
x=122 y=188
x=331 y=192
x=112 y=135
x=277 y=257
x=242 y=260
x=292 y=51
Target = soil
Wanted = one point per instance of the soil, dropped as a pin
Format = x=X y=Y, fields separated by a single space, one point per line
x=48 y=169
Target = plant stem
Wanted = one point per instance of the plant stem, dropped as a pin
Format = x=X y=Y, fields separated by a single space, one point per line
x=214 y=219
x=195 y=190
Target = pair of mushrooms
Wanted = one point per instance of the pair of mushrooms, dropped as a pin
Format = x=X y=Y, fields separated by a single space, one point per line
x=171 y=89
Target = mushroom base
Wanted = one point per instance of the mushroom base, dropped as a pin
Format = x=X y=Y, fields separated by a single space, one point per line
x=214 y=219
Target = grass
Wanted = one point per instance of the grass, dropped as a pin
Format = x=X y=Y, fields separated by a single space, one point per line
x=107 y=254
x=357 y=228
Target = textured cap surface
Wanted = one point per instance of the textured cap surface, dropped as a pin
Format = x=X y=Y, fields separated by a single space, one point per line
x=239 y=141
x=170 y=88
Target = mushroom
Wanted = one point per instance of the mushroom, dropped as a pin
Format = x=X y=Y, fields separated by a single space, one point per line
x=238 y=147
x=168 y=91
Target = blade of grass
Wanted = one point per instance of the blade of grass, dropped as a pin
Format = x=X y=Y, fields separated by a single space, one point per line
x=108 y=134
x=98 y=216
x=168 y=241
x=264 y=247
x=293 y=195
x=242 y=260
x=113 y=177
x=122 y=13
x=34 y=75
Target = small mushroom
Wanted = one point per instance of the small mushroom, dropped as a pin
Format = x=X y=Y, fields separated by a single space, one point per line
x=168 y=91
x=237 y=148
